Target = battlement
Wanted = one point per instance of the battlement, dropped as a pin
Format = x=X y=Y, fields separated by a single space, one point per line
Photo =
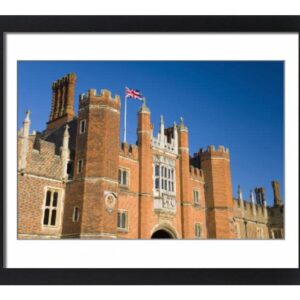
x=249 y=210
x=212 y=151
x=129 y=151
x=196 y=173
x=103 y=98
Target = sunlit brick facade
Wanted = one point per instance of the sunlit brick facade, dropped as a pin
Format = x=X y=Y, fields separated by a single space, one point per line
x=75 y=179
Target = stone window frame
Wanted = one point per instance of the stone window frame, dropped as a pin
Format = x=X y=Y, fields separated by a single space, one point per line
x=198 y=202
x=127 y=171
x=52 y=208
x=166 y=178
x=126 y=213
x=82 y=130
x=78 y=163
x=75 y=216
x=198 y=226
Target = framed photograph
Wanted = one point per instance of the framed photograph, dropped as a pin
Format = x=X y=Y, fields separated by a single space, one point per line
x=150 y=150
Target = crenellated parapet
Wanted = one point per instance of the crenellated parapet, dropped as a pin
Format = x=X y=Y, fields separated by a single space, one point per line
x=211 y=151
x=215 y=164
x=92 y=100
x=249 y=211
x=129 y=151
x=255 y=210
x=196 y=173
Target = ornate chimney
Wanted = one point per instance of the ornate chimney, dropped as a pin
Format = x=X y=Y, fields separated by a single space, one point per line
x=62 y=108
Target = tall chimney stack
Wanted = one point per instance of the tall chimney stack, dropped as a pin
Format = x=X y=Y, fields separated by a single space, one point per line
x=276 y=191
x=62 y=108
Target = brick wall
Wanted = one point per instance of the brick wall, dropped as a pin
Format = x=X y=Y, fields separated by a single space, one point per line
x=99 y=148
x=31 y=201
x=128 y=197
x=147 y=218
x=216 y=168
x=42 y=159
x=43 y=171
x=197 y=181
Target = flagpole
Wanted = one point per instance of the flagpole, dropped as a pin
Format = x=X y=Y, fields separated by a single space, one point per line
x=125 y=113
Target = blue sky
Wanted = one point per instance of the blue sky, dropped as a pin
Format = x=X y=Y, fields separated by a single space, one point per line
x=235 y=104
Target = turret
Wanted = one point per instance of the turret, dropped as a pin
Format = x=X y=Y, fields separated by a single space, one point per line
x=240 y=196
x=175 y=134
x=96 y=164
x=252 y=200
x=162 y=130
x=184 y=169
x=264 y=202
x=65 y=152
x=240 y=199
x=218 y=191
x=26 y=124
x=24 y=142
x=144 y=132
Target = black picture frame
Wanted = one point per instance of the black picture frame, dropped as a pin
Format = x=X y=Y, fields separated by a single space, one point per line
x=138 y=24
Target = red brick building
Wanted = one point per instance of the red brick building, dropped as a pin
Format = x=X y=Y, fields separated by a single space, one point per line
x=75 y=179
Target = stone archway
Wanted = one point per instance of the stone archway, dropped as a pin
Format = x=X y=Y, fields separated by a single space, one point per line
x=162 y=234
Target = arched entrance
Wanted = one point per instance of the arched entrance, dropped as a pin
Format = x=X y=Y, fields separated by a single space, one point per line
x=162 y=234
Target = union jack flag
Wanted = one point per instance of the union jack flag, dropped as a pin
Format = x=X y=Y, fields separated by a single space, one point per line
x=135 y=94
